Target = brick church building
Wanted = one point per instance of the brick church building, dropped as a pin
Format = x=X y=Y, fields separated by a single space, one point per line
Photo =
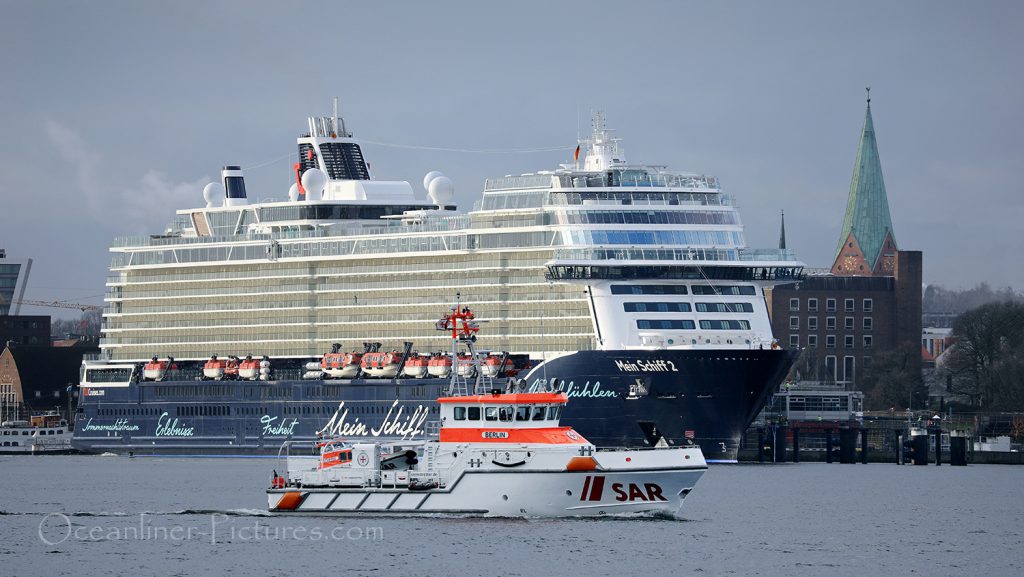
x=869 y=301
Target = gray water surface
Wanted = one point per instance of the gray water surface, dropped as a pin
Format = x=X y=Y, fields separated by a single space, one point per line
x=89 y=515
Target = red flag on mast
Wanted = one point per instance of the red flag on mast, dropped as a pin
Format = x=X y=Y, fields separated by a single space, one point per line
x=576 y=155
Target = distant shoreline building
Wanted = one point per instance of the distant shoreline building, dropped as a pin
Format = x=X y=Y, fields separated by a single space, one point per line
x=23 y=330
x=868 y=303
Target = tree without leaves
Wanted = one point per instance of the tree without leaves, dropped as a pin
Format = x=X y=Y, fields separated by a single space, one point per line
x=894 y=381
x=987 y=362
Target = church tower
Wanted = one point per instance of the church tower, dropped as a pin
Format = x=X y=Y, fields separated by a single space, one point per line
x=867 y=245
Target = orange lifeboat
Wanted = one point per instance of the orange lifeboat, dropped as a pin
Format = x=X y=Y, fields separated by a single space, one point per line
x=214 y=368
x=416 y=367
x=249 y=368
x=156 y=370
x=383 y=365
x=490 y=365
x=466 y=367
x=341 y=365
x=439 y=365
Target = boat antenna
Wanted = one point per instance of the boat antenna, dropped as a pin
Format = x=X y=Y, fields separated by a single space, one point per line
x=336 y=131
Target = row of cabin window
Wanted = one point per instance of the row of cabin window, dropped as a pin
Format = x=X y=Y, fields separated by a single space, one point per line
x=849 y=305
x=523 y=413
x=684 y=324
x=40 y=432
x=659 y=307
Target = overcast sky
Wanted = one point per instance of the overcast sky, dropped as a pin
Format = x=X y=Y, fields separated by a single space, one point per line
x=115 y=114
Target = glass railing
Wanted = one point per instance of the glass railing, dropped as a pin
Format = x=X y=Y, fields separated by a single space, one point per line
x=429 y=224
x=633 y=254
x=767 y=254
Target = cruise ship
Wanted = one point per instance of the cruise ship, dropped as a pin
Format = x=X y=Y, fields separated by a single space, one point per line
x=629 y=284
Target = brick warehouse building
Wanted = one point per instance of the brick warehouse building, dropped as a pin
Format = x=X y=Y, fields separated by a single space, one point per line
x=868 y=303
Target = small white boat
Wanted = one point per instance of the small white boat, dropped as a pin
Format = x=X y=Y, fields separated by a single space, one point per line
x=47 y=433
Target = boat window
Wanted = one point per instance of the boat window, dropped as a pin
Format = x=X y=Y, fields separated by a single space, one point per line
x=523 y=413
x=553 y=411
x=538 y=413
x=460 y=413
x=490 y=413
x=474 y=413
x=505 y=413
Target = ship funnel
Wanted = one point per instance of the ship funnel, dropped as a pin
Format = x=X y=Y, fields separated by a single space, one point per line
x=234 y=186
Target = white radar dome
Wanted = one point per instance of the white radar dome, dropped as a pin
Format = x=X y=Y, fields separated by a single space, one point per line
x=212 y=192
x=293 y=192
x=441 y=190
x=314 y=180
x=430 y=176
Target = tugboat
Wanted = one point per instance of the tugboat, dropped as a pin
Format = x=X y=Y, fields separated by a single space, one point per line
x=500 y=451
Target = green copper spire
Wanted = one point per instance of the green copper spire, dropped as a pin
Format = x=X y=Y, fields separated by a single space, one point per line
x=867 y=209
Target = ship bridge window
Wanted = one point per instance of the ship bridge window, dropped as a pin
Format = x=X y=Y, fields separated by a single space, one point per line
x=538 y=413
x=490 y=413
x=107 y=375
x=473 y=414
x=553 y=412
x=666 y=324
x=523 y=413
x=505 y=413
x=459 y=414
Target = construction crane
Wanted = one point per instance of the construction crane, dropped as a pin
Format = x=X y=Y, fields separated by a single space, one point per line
x=58 y=305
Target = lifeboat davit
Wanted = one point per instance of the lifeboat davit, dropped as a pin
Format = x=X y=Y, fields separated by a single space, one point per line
x=214 y=368
x=416 y=367
x=384 y=365
x=466 y=367
x=439 y=366
x=490 y=365
x=341 y=365
x=249 y=368
x=156 y=370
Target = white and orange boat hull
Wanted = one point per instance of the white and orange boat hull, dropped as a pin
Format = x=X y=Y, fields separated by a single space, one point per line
x=507 y=483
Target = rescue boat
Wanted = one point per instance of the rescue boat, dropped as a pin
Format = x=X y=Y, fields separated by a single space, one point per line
x=214 y=368
x=340 y=365
x=499 y=450
x=249 y=369
x=156 y=370
x=415 y=367
x=490 y=365
x=467 y=366
x=378 y=364
x=439 y=365
x=498 y=454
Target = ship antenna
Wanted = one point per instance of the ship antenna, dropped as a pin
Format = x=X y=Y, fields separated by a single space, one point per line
x=336 y=131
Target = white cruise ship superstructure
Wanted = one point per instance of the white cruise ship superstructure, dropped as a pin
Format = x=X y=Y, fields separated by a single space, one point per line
x=626 y=279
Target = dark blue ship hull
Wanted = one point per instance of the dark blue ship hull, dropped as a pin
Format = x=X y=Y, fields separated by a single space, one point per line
x=618 y=398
